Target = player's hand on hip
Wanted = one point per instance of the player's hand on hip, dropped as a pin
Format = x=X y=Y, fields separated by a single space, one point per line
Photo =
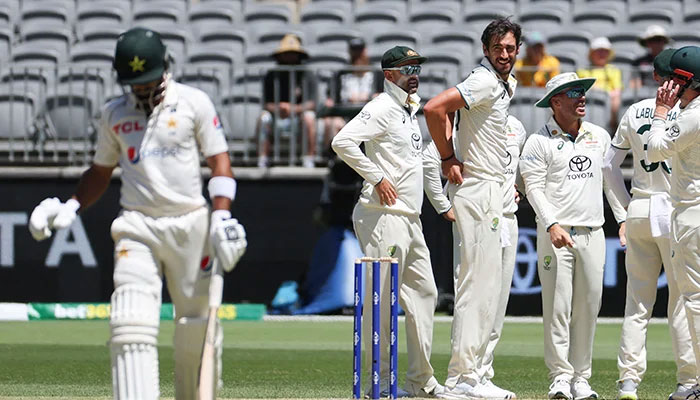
x=452 y=169
x=386 y=192
x=52 y=214
x=449 y=215
x=560 y=237
x=623 y=234
x=228 y=239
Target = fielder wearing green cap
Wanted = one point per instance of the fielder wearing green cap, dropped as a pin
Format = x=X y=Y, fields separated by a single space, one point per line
x=646 y=235
x=387 y=215
x=679 y=140
x=562 y=168
x=157 y=135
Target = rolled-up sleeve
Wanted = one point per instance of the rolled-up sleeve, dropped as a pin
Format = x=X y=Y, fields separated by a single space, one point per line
x=533 y=168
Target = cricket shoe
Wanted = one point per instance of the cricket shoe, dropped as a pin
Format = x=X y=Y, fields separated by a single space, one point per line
x=497 y=392
x=560 y=389
x=466 y=391
x=685 y=392
x=581 y=390
x=436 y=392
x=627 y=390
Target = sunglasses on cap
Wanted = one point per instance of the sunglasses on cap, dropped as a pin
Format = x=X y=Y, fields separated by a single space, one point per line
x=406 y=69
x=575 y=92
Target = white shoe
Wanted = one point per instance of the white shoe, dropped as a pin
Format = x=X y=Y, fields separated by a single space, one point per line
x=560 y=389
x=263 y=161
x=308 y=161
x=436 y=392
x=466 y=391
x=581 y=390
x=684 y=392
x=495 y=391
x=627 y=390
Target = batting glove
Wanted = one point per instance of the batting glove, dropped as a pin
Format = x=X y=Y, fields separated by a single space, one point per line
x=52 y=214
x=228 y=238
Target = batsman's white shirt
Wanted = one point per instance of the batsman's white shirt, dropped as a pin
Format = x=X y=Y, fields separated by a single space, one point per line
x=159 y=154
x=481 y=139
x=633 y=133
x=393 y=144
x=568 y=172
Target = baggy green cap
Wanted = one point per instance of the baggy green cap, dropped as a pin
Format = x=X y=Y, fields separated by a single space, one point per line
x=139 y=57
x=400 y=54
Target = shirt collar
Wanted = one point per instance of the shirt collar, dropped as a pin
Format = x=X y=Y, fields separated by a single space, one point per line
x=171 y=95
x=695 y=103
x=555 y=130
x=401 y=97
x=509 y=85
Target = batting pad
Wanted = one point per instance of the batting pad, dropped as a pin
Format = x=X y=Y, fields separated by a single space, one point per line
x=189 y=341
x=134 y=320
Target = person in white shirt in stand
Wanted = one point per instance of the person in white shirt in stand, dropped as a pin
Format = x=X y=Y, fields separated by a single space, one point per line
x=646 y=235
x=387 y=216
x=561 y=166
x=437 y=196
x=479 y=108
x=680 y=141
x=156 y=133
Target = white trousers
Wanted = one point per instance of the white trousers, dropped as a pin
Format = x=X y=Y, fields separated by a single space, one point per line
x=643 y=260
x=572 y=286
x=508 y=253
x=685 y=256
x=478 y=208
x=380 y=234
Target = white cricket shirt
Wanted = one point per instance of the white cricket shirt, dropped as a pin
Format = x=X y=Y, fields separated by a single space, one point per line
x=567 y=173
x=633 y=133
x=515 y=141
x=679 y=140
x=480 y=125
x=159 y=154
x=393 y=146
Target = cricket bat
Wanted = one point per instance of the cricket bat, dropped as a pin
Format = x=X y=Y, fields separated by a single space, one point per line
x=206 y=387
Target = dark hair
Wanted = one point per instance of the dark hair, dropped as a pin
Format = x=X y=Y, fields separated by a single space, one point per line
x=499 y=28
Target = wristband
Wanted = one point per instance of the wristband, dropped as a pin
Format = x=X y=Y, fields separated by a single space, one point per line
x=550 y=226
x=448 y=158
x=223 y=186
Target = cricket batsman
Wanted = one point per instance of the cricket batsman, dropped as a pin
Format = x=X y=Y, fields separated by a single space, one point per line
x=646 y=232
x=156 y=132
x=680 y=141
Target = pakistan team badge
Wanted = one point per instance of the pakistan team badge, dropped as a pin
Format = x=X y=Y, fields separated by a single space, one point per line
x=494 y=224
x=547 y=261
x=391 y=250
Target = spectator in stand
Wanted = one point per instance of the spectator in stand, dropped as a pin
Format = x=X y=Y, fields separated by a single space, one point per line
x=654 y=39
x=353 y=86
x=608 y=77
x=281 y=110
x=537 y=67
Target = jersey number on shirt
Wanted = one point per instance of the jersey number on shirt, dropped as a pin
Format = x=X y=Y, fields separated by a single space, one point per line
x=652 y=166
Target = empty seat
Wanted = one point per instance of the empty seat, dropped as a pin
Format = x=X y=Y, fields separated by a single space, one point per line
x=71 y=115
x=569 y=42
x=684 y=37
x=176 y=39
x=56 y=35
x=208 y=13
x=99 y=34
x=259 y=17
x=400 y=6
x=47 y=12
x=212 y=56
x=369 y=19
x=27 y=54
x=240 y=111
x=224 y=36
x=320 y=16
x=465 y=42
x=260 y=56
x=27 y=79
x=8 y=15
x=395 y=37
x=6 y=39
x=522 y=106
x=597 y=21
x=17 y=111
x=626 y=40
x=691 y=15
x=249 y=83
x=326 y=60
x=442 y=62
x=338 y=37
x=598 y=108
x=428 y=17
x=210 y=80
x=85 y=80
x=643 y=17
x=477 y=15
x=105 y=12
x=541 y=19
x=146 y=13
x=90 y=54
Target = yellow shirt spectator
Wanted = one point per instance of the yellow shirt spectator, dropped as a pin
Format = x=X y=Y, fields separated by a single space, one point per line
x=531 y=74
x=608 y=78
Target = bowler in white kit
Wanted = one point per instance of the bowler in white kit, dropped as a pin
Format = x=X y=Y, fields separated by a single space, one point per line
x=156 y=133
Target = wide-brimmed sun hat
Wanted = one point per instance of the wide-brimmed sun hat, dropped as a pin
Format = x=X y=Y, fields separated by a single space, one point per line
x=601 y=43
x=290 y=43
x=653 y=31
x=561 y=82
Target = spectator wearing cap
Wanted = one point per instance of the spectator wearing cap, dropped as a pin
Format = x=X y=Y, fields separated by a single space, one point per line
x=387 y=216
x=289 y=101
x=654 y=40
x=537 y=67
x=353 y=86
x=608 y=77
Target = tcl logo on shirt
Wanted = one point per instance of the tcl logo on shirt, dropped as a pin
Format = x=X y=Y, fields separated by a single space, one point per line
x=128 y=127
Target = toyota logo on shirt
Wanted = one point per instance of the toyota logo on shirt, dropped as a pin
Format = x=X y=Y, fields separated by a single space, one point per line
x=579 y=166
x=579 y=163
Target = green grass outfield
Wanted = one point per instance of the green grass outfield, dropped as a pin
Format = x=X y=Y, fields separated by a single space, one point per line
x=291 y=359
